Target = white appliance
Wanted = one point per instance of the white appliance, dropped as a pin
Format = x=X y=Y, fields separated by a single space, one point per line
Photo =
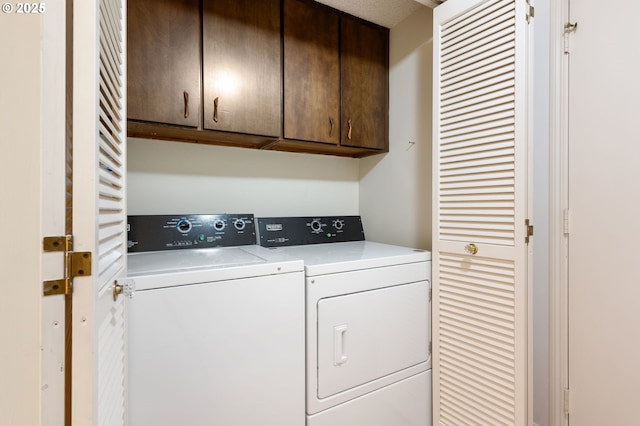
x=216 y=334
x=367 y=322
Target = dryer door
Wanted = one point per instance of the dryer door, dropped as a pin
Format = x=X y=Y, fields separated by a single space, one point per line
x=367 y=335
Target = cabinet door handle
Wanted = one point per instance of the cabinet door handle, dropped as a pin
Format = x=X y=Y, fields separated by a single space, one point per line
x=186 y=104
x=215 y=109
x=331 y=126
x=350 y=127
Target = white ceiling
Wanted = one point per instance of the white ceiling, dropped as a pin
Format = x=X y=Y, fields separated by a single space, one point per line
x=387 y=13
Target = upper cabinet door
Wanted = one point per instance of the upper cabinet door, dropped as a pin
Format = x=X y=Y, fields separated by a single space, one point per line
x=242 y=66
x=311 y=72
x=164 y=61
x=365 y=84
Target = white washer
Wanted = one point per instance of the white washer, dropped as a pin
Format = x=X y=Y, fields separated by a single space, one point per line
x=367 y=322
x=216 y=335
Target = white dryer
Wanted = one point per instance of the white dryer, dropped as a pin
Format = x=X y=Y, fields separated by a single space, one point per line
x=216 y=333
x=367 y=322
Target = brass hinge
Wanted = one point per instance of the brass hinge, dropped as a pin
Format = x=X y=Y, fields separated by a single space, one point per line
x=529 y=230
x=531 y=12
x=568 y=29
x=566 y=402
x=76 y=264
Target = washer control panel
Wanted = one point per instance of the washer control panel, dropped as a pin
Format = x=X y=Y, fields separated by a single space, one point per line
x=171 y=232
x=295 y=231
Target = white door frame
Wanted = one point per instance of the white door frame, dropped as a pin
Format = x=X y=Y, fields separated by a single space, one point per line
x=558 y=215
x=53 y=178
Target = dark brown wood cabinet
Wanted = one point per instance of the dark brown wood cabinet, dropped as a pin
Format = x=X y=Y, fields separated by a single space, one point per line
x=336 y=73
x=365 y=84
x=290 y=75
x=242 y=74
x=311 y=72
x=163 y=61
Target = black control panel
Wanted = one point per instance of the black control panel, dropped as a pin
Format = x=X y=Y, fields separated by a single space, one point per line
x=171 y=232
x=294 y=231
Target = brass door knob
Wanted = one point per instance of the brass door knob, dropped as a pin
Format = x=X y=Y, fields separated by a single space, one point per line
x=127 y=288
x=471 y=249
x=118 y=289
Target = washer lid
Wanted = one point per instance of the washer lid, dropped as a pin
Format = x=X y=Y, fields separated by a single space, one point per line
x=172 y=261
x=320 y=259
x=173 y=268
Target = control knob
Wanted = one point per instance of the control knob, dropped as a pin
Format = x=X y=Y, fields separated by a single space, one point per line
x=338 y=224
x=219 y=225
x=183 y=226
x=239 y=224
x=316 y=226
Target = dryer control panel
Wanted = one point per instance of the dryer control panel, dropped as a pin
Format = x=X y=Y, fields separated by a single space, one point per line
x=295 y=231
x=171 y=232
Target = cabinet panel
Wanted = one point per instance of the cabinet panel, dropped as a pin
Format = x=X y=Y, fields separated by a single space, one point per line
x=242 y=66
x=311 y=72
x=365 y=84
x=163 y=61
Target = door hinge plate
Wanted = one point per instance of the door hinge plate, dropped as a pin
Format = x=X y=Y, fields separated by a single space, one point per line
x=76 y=264
x=565 y=222
x=531 y=12
x=568 y=29
x=50 y=244
x=55 y=287
x=528 y=230
x=566 y=402
x=80 y=264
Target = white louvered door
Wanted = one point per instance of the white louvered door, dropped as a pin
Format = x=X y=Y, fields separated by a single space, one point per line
x=480 y=310
x=99 y=215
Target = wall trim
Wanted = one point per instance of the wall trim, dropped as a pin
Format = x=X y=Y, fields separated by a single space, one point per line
x=558 y=203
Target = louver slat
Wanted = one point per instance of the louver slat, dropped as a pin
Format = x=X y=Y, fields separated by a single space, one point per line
x=98 y=207
x=111 y=385
x=111 y=190
x=476 y=317
x=479 y=326
x=111 y=223
x=489 y=156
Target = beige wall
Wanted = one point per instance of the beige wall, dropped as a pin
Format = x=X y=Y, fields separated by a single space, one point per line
x=171 y=177
x=395 y=189
x=20 y=137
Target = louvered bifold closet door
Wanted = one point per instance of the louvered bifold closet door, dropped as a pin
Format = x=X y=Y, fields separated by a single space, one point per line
x=480 y=203
x=99 y=213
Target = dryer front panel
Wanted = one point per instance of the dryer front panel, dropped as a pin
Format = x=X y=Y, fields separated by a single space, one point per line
x=367 y=335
